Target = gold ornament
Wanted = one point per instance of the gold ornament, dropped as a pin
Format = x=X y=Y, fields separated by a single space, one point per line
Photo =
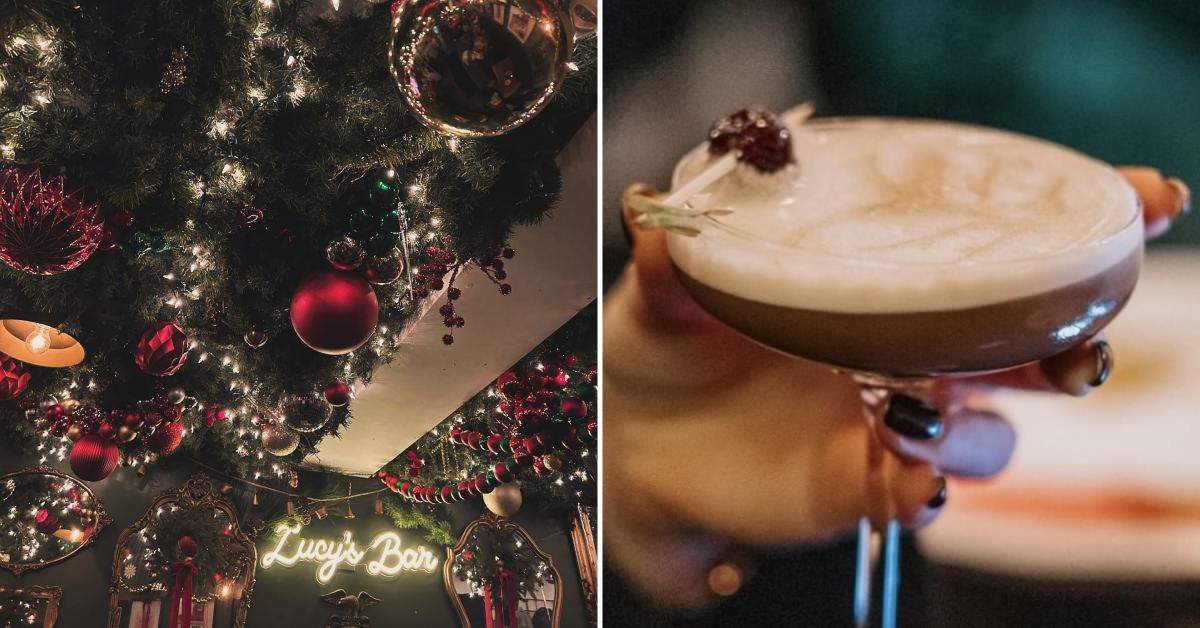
x=279 y=440
x=74 y=432
x=176 y=71
x=554 y=462
x=126 y=434
x=504 y=500
x=255 y=338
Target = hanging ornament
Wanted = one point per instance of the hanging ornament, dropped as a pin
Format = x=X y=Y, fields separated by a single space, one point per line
x=554 y=462
x=125 y=434
x=505 y=500
x=162 y=350
x=94 y=458
x=176 y=396
x=305 y=413
x=250 y=216
x=166 y=438
x=337 y=393
x=14 y=377
x=214 y=414
x=75 y=432
x=255 y=339
x=44 y=230
x=279 y=440
x=334 y=312
x=344 y=254
x=480 y=68
x=373 y=209
x=384 y=270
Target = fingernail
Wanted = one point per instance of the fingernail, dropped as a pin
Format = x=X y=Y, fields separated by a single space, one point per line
x=939 y=497
x=912 y=418
x=725 y=579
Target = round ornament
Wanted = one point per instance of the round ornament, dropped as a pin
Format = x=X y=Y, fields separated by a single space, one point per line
x=74 y=432
x=505 y=500
x=94 y=458
x=344 y=254
x=166 y=438
x=176 y=396
x=255 y=339
x=43 y=229
x=334 y=312
x=187 y=547
x=384 y=270
x=554 y=462
x=305 y=413
x=162 y=350
x=125 y=434
x=337 y=393
x=480 y=68
x=279 y=440
x=14 y=377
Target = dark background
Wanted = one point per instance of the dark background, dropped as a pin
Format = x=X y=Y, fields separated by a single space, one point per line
x=1119 y=80
x=286 y=596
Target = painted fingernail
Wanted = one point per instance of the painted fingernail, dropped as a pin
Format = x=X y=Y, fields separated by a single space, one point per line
x=912 y=418
x=726 y=579
x=939 y=497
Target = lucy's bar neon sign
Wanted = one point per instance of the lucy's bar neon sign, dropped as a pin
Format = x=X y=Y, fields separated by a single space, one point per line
x=390 y=556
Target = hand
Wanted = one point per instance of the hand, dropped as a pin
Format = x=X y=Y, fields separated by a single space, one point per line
x=713 y=443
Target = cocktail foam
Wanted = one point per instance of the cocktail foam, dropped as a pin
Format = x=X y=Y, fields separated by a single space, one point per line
x=896 y=215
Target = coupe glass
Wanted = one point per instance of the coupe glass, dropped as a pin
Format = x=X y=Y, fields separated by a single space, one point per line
x=946 y=334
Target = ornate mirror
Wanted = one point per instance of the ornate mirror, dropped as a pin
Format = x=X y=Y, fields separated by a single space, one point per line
x=497 y=570
x=46 y=516
x=187 y=555
x=30 y=606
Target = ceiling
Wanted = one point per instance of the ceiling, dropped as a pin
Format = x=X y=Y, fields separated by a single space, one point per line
x=554 y=275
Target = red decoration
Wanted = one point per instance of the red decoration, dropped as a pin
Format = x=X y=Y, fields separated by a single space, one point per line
x=187 y=546
x=107 y=431
x=213 y=414
x=162 y=350
x=181 y=592
x=166 y=438
x=334 y=312
x=45 y=522
x=44 y=230
x=574 y=407
x=14 y=377
x=94 y=458
x=337 y=393
x=758 y=137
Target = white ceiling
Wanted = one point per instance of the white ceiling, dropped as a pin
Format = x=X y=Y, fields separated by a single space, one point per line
x=553 y=277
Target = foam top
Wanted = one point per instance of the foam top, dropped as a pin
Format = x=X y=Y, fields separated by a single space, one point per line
x=892 y=215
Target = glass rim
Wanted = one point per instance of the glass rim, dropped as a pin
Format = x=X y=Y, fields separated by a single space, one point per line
x=1134 y=220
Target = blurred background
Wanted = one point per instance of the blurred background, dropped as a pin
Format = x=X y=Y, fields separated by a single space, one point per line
x=1097 y=523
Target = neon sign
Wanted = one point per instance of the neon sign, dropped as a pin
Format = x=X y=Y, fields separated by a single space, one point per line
x=390 y=555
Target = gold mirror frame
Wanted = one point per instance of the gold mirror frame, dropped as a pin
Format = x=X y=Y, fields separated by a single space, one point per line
x=102 y=518
x=198 y=492
x=51 y=595
x=500 y=524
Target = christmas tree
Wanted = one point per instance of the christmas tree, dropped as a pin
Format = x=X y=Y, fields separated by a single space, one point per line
x=184 y=182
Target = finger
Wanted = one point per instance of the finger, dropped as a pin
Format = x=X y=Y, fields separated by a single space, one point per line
x=1163 y=199
x=1076 y=372
x=965 y=442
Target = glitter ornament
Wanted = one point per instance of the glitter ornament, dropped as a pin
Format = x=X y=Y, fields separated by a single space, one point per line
x=44 y=230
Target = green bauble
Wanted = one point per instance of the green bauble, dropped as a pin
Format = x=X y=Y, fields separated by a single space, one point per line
x=373 y=217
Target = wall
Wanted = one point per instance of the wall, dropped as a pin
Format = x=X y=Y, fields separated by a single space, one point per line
x=282 y=596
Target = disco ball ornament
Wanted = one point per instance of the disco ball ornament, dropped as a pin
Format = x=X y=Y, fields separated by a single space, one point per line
x=344 y=254
x=334 y=311
x=279 y=440
x=479 y=68
x=384 y=270
x=44 y=230
x=162 y=350
x=306 y=413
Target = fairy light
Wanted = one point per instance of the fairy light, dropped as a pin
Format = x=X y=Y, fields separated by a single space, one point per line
x=572 y=66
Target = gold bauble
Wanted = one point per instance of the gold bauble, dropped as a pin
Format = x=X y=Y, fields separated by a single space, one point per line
x=504 y=500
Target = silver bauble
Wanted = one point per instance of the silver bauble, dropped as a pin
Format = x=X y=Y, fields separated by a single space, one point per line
x=176 y=396
x=279 y=440
x=480 y=68
x=305 y=413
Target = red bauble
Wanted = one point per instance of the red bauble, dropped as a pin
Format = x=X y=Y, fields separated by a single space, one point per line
x=45 y=522
x=43 y=230
x=166 y=438
x=334 y=312
x=14 y=378
x=213 y=414
x=162 y=350
x=187 y=546
x=107 y=431
x=337 y=393
x=574 y=407
x=93 y=458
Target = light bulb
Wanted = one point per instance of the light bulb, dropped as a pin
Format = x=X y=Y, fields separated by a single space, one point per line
x=38 y=341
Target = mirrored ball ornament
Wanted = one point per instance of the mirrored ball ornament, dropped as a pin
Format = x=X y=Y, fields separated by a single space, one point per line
x=479 y=68
x=344 y=253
